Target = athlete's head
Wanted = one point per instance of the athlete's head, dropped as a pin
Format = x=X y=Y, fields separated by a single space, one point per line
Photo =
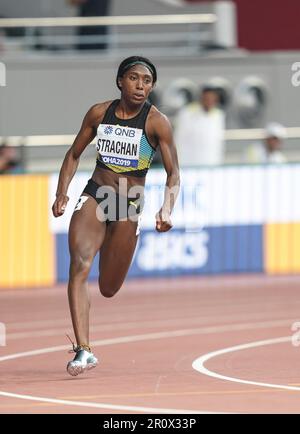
x=136 y=77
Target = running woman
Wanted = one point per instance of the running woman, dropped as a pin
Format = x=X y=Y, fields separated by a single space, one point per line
x=106 y=217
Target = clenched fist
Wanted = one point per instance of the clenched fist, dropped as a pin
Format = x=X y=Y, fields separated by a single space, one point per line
x=59 y=205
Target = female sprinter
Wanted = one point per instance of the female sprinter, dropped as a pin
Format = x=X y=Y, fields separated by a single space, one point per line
x=105 y=218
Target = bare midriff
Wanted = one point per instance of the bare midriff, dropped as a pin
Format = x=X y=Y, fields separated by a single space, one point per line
x=120 y=182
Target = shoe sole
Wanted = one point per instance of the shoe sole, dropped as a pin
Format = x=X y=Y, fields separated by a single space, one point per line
x=77 y=369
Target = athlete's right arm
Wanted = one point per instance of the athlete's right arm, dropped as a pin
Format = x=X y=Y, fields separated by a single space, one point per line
x=71 y=160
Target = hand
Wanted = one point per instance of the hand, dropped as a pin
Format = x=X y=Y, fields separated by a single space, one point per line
x=163 y=221
x=59 y=205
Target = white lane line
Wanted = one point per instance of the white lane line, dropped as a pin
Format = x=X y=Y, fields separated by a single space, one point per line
x=198 y=364
x=161 y=323
x=103 y=406
x=137 y=338
x=158 y=335
x=114 y=341
x=103 y=342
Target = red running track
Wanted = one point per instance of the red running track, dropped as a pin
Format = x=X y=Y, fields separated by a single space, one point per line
x=147 y=338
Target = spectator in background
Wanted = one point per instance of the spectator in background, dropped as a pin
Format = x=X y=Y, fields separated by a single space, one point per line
x=199 y=131
x=269 y=150
x=9 y=162
x=92 y=8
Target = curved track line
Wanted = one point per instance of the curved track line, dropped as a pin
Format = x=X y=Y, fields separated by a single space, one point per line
x=103 y=342
x=198 y=364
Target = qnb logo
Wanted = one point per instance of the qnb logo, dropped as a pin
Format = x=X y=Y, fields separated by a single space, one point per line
x=2 y=335
x=125 y=132
x=108 y=130
x=2 y=74
x=296 y=76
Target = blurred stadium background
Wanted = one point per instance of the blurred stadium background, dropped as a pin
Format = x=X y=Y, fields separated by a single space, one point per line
x=233 y=218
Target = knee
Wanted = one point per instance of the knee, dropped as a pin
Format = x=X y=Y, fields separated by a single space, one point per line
x=80 y=266
x=108 y=291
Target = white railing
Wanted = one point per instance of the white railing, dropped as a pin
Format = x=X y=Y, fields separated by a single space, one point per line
x=189 y=36
x=127 y=20
x=67 y=139
x=109 y=21
x=258 y=133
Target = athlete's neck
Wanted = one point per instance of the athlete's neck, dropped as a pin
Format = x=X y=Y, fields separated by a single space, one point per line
x=125 y=110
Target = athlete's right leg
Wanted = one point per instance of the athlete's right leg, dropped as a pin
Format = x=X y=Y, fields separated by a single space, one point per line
x=86 y=234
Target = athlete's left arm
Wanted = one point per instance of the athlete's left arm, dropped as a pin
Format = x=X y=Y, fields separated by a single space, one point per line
x=164 y=136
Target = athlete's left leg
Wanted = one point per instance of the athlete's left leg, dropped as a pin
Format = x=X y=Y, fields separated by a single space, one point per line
x=116 y=254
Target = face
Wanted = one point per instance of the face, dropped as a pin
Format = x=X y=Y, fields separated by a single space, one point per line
x=209 y=100
x=272 y=143
x=136 y=84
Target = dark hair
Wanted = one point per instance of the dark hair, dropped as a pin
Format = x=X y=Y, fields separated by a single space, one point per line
x=208 y=88
x=136 y=60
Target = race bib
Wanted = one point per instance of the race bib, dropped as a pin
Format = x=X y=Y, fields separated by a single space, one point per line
x=119 y=145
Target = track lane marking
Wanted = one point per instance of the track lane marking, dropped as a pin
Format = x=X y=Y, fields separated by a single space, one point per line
x=198 y=364
x=103 y=342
